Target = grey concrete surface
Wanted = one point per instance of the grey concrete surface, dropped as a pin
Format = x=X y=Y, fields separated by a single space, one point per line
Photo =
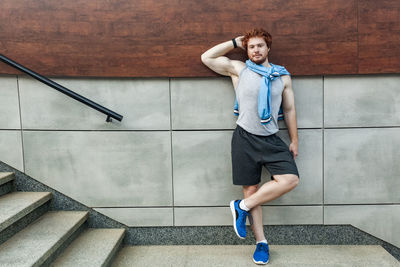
x=202 y=103
x=362 y=101
x=381 y=221
x=276 y=234
x=15 y=205
x=103 y=169
x=140 y=216
x=351 y=256
x=360 y=166
x=11 y=148
x=272 y=215
x=59 y=201
x=6 y=177
x=6 y=183
x=203 y=170
x=33 y=245
x=9 y=105
x=308 y=100
x=23 y=222
x=144 y=103
x=94 y=247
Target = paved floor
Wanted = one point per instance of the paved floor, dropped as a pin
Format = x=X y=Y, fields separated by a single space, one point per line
x=287 y=256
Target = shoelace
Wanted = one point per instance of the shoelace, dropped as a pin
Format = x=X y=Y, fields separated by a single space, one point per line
x=261 y=246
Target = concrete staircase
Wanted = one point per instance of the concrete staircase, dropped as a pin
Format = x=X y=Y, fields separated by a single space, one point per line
x=31 y=235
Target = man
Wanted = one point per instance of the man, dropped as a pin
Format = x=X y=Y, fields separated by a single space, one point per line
x=261 y=88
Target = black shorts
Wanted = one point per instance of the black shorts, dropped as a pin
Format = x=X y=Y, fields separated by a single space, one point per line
x=250 y=152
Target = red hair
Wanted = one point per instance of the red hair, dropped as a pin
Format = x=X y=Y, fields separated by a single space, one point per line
x=257 y=32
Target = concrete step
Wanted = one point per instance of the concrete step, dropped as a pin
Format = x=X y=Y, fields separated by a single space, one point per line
x=16 y=205
x=94 y=247
x=41 y=239
x=316 y=255
x=6 y=179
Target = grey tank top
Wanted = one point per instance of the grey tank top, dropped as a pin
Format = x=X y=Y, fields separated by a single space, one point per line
x=247 y=97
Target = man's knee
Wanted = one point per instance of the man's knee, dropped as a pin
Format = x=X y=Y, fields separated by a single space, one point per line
x=248 y=190
x=292 y=181
x=289 y=180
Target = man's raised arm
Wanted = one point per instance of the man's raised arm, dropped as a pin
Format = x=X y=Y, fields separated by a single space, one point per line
x=214 y=58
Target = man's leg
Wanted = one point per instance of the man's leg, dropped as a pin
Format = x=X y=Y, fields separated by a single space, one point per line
x=267 y=192
x=256 y=213
x=272 y=190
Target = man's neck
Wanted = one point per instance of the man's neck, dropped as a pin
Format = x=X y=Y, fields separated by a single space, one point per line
x=266 y=64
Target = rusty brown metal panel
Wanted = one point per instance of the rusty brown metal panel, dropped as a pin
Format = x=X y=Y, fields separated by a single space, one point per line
x=165 y=38
x=379 y=36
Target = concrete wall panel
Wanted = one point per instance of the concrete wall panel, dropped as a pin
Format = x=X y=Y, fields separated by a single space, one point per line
x=308 y=100
x=103 y=169
x=362 y=101
x=140 y=216
x=202 y=168
x=381 y=221
x=272 y=215
x=11 y=149
x=9 y=106
x=361 y=166
x=202 y=103
x=144 y=103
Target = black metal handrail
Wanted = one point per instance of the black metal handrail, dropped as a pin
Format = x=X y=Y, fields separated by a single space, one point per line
x=110 y=114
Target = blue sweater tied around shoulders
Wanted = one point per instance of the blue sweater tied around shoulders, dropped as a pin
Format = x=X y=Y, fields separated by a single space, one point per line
x=264 y=96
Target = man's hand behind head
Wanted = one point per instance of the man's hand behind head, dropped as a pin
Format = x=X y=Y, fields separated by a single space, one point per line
x=239 y=42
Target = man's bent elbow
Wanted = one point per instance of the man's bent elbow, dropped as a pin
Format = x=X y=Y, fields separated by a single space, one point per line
x=204 y=59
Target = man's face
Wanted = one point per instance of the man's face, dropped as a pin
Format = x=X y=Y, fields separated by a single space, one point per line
x=257 y=50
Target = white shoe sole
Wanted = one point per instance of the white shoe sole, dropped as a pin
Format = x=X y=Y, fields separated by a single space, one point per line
x=232 y=205
x=260 y=262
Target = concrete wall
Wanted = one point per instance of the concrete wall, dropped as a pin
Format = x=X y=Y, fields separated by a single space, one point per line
x=168 y=162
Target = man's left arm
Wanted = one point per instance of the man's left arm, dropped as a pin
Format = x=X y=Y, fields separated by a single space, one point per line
x=289 y=112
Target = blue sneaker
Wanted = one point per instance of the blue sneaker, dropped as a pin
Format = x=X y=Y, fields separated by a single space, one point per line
x=239 y=219
x=261 y=255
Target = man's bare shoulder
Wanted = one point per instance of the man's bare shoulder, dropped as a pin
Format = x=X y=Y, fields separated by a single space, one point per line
x=287 y=81
x=286 y=77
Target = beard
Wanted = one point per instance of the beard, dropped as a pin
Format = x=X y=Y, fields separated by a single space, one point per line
x=259 y=61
